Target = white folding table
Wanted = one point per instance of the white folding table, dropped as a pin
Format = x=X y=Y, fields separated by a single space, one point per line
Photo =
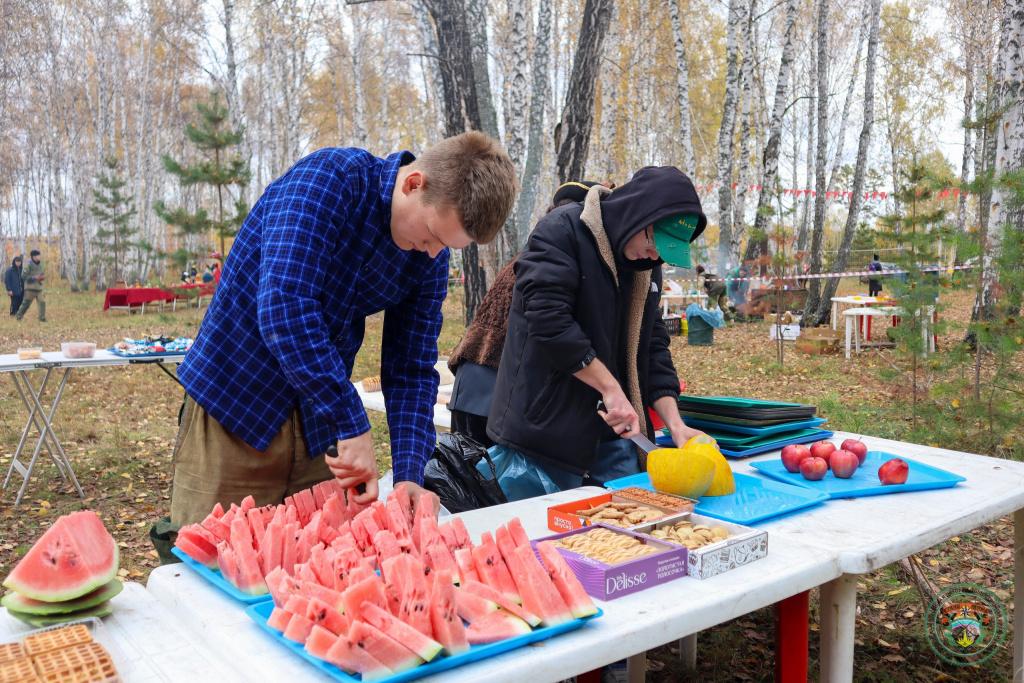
x=40 y=417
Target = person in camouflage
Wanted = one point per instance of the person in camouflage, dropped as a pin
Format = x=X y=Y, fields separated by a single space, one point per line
x=714 y=286
x=33 y=275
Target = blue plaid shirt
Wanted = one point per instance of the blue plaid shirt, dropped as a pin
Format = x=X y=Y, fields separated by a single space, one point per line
x=313 y=259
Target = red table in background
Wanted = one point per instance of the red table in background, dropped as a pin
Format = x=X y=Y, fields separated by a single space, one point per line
x=135 y=297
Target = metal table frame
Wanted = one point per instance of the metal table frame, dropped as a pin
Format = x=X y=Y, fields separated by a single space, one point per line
x=41 y=419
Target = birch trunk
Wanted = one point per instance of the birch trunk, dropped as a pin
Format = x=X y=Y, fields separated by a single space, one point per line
x=857 y=199
x=517 y=116
x=682 y=90
x=725 y=132
x=837 y=159
x=747 y=94
x=538 y=97
x=1007 y=212
x=573 y=131
x=968 y=158
x=817 y=237
x=770 y=164
x=801 y=242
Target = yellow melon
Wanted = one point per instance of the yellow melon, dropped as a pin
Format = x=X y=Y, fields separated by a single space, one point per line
x=722 y=484
x=683 y=474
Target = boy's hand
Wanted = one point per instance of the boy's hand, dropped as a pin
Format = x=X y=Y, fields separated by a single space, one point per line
x=619 y=414
x=356 y=464
x=420 y=496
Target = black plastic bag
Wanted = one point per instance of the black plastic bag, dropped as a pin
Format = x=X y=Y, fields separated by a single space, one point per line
x=451 y=473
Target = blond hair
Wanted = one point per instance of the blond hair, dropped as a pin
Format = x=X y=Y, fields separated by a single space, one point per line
x=472 y=173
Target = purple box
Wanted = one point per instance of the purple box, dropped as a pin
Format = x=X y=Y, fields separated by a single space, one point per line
x=608 y=582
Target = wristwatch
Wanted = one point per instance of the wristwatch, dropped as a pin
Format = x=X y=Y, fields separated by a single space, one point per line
x=587 y=360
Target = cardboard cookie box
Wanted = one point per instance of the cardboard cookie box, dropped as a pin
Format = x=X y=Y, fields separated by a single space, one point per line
x=743 y=545
x=607 y=581
x=567 y=516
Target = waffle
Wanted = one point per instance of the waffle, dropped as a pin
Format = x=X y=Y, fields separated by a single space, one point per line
x=57 y=638
x=9 y=651
x=371 y=384
x=17 y=671
x=82 y=663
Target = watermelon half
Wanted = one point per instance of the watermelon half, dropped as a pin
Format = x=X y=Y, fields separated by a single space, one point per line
x=74 y=557
x=19 y=603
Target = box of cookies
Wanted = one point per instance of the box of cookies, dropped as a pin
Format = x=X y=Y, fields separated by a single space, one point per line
x=612 y=562
x=714 y=546
x=612 y=509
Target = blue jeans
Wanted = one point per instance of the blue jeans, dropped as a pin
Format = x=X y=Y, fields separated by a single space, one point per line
x=521 y=477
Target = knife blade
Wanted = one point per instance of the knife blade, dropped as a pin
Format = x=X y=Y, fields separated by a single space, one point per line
x=643 y=443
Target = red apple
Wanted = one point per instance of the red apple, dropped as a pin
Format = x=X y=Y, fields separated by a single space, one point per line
x=813 y=468
x=823 y=450
x=893 y=472
x=843 y=464
x=856 y=447
x=792 y=455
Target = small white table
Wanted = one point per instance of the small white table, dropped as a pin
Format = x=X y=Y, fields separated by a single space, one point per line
x=669 y=299
x=839 y=302
x=41 y=418
x=146 y=643
x=865 y=534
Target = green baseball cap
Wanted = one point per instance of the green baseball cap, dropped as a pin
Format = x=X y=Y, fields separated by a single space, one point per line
x=672 y=236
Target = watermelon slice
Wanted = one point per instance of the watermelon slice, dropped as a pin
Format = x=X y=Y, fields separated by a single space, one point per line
x=249 y=578
x=398 y=524
x=449 y=536
x=437 y=556
x=471 y=607
x=488 y=593
x=384 y=649
x=461 y=534
x=227 y=562
x=298 y=628
x=424 y=647
x=297 y=604
x=197 y=545
x=492 y=568
x=248 y=503
x=494 y=627
x=464 y=561
x=332 y=597
x=44 y=620
x=333 y=512
x=356 y=660
x=370 y=589
x=19 y=603
x=569 y=587
x=386 y=545
x=279 y=618
x=75 y=556
x=415 y=609
x=216 y=526
x=401 y=496
x=539 y=595
x=322 y=614
x=444 y=618
x=320 y=641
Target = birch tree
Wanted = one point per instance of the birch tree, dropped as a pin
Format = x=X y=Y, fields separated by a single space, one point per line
x=864 y=143
x=758 y=244
x=747 y=89
x=725 y=133
x=572 y=134
x=682 y=89
x=820 y=182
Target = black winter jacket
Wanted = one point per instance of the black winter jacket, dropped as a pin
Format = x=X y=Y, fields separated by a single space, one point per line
x=12 y=280
x=577 y=298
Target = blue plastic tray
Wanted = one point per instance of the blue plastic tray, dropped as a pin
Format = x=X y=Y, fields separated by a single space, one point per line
x=260 y=612
x=740 y=452
x=710 y=426
x=214 y=577
x=864 y=481
x=160 y=354
x=755 y=500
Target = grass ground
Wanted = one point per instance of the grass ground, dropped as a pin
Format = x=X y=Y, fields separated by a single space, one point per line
x=118 y=427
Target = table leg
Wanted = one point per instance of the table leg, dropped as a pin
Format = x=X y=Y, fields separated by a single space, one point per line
x=791 y=649
x=835 y=315
x=849 y=332
x=15 y=463
x=589 y=677
x=838 y=623
x=25 y=389
x=636 y=668
x=688 y=652
x=867 y=327
x=46 y=430
x=1018 y=596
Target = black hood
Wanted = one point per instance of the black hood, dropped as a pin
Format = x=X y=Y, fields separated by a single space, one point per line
x=15 y=265
x=653 y=193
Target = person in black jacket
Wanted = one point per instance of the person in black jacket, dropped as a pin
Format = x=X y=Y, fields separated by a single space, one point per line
x=585 y=326
x=14 y=285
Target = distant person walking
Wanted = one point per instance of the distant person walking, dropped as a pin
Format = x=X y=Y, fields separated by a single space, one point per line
x=715 y=288
x=12 y=282
x=874 y=284
x=33 y=277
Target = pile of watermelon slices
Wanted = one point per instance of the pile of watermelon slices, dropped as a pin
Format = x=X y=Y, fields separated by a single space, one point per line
x=385 y=589
x=70 y=573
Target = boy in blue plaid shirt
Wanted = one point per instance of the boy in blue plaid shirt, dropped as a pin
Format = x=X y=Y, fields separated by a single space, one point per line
x=341 y=236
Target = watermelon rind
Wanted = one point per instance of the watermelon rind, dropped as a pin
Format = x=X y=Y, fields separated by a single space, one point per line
x=25 y=577
x=19 y=603
x=43 y=620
